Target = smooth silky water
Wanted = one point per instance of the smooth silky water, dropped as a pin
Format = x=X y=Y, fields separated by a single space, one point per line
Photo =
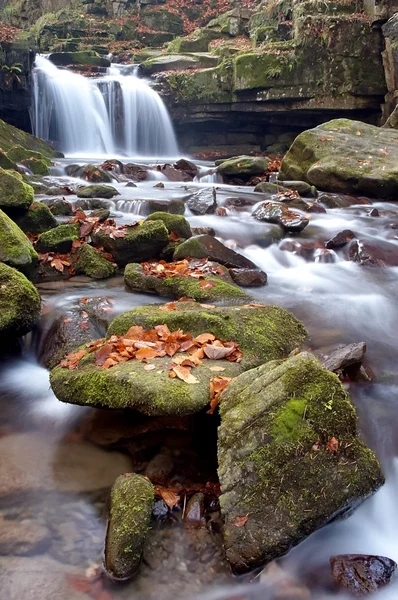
x=339 y=302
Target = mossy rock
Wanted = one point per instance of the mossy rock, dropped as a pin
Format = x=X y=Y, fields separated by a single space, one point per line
x=162 y=19
x=96 y=191
x=38 y=219
x=207 y=246
x=15 y=248
x=131 y=503
x=345 y=156
x=11 y=136
x=88 y=261
x=88 y=57
x=177 y=287
x=174 y=223
x=141 y=243
x=263 y=334
x=269 y=470
x=178 y=62
x=5 y=162
x=244 y=166
x=61 y=208
x=59 y=239
x=197 y=41
x=92 y=173
x=19 y=154
x=15 y=195
x=20 y=304
x=38 y=167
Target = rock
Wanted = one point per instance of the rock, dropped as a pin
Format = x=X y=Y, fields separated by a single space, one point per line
x=159 y=185
x=186 y=165
x=20 y=304
x=175 y=206
x=131 y=184
x=374 y=213
x=273 y=212
x=65 y=334
x=195 y=511
x=266 y=187
x=248 y=277
x=61 y=208
x=301 y=187
x=91 y=173
x=238 y=202
x=362 y=574
x=11 y=136
x=340 y=239
x=89 y=261
x=86 y=57
x=174 y=223
x=141 y=243
x=102 y=214
x=244 y=166
x=37 y=220
x=18 y=154
x=53 y=465
x=202 y=202
x=15 y=195
x=367 y=254
x=338 y=200
x=311 y=449
x=263 y=334
x=58 y=239
x=91 y=204
x=160 y=510
x=160 y=468
x=207 y=246
x=138 y=172
x=345 y=356
x=179 y=62
x=22 y=538
x=221 y=287
x=345 y=156
x=203 y=231
x=96 y=191
x=131 y=505
x=174 y=174
x=15 y=248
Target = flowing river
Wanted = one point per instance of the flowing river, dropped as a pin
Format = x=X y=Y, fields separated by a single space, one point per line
x=60 y=470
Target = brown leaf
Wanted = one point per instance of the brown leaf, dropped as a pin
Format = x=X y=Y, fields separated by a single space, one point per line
x=135 y=332
x=79 y=583
x=57 y=264
x=102 y=354
x=203 y=338
x=205 y=284
x=333 y=445
x=84 y=325
x=174 y=237
x=70 y=361
x=146 y=353
x=240 y=521
x=169 y=306
x=170 y=497
x=110 y=362
x=207 y=305
x=215 y=352
x=185 y=374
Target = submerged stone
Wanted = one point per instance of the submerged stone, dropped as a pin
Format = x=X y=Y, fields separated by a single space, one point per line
x=262 y=333
x=290 y=458
x=20 y=304
x=131 y=503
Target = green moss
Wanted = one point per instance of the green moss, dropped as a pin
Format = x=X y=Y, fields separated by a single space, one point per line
x=15 y=248
x=174 y=223
x=11 y=136
x=15 y=195
x=243 y=166
x=289 y=421
x=131 y=504
x=210 y=85
x=58 y=239
x=19 y=154
x=96 y=191
x=197 y=41
x=37 y=220
x=89 y=261
x=20 y=304
x=5 y=162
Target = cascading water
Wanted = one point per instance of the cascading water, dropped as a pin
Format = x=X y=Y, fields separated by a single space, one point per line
x=116 y=113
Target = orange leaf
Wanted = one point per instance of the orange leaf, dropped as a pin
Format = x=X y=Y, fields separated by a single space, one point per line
x=135 y=332
x=205 y=284
x=57 y=264
x=185 y=374
x=146 y=353
x=215 y=352
x=169 y=306
x=110 y=362
x=170 y=497
x=102 y=354
x=204 y=337
x=240 y=521
x=332 y=445
x=174 y=237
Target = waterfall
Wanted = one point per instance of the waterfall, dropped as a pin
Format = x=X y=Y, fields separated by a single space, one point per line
x=117 y=113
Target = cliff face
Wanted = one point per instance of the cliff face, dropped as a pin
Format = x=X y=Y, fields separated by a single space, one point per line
x=16 y=63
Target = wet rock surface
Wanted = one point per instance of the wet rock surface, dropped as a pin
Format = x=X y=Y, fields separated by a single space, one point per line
x=272 y=212
x=345 y=356
x=207 y=246
x=360 y=574
x=340 y=239
x=202 y=202
x=248 y=277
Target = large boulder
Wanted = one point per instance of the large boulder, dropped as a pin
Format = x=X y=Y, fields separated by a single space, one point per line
x=58 y=239
x=35 y=161
x=217 y=288
x=15 y=248
x=11 y=136
x=345 y=156
x=37 y=219
x=97 y=191
x=263 y=333
x=20 y=304
x=244 y=166
x=140 y=242
x=89 y=261
x=290 y=458
x=15 y=195
x=207 y=246
x=131 y=503
x=174 y=223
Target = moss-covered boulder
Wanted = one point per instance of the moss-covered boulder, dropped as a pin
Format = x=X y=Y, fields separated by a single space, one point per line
x=96 y=191
x=197 y=41
x=15 y=248
x=20 y=304
x=345 y=156
x=161 y=19
x=59 y=239
x=290 y=458
x=174 y=223
x=89 y=261
x=36 y=166
x=131 y=504
x=207 y=246
x=11 y=136
x=5 y=162
x=91 y=173
x=219 y=287
x=87 y=57
x=262 y=333
x=140 y=243
x=61 y=208
x=38 y=219
x=244 y=166
x=35 y=161
x=179 y=62
x=15 y=195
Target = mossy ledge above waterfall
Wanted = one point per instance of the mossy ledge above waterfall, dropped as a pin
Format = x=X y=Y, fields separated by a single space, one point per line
x=11 y=136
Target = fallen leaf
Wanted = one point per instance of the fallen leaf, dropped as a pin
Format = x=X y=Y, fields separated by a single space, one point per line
x=84 y=325
x=217 y=352
x=207 y=285
x=174 y=237
x=169 y=306
x=71 y=360
x=170 y=497
x=333 y=445
x=146 y=353
x=203 y=338
x=57 y=264
x=184 y=373
x=218 y=369
x=149 y=367
x=240 y=521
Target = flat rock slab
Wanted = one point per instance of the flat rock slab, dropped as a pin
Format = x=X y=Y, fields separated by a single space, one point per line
x=290 y=458
x=263 y=333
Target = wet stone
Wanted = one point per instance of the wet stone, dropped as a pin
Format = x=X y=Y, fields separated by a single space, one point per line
x=345 y=356
x=248 y=277
x=340 y=239
x=195 y=511
x=273 y=212
x=202 y=202
x=362 y=574
x=160 y=468
x=160 y=510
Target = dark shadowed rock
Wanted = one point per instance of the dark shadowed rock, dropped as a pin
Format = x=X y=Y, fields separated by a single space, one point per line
x=186 y=165
x=374 y=213
x=273 y=212
x=366 y=253
x=207 y=246
x=174 y=206
x=345 y=356
x=362 y=574
x=195 y=511
x=340 y=239
x=248 y=277
x=202 y=202
x=91 y=173
x=61 y=208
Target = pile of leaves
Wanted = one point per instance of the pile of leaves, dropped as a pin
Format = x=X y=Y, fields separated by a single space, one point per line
x=89 y=225
x=8 y=33
x=182 y=268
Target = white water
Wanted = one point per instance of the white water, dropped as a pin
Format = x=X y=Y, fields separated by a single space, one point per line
x=112 y=114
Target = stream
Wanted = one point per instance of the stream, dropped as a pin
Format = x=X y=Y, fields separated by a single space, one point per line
x=60 y=473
